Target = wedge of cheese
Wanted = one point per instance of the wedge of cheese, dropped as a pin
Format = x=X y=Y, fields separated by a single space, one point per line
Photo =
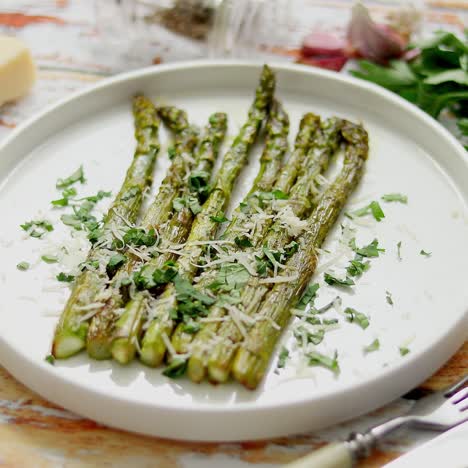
x=17 y=70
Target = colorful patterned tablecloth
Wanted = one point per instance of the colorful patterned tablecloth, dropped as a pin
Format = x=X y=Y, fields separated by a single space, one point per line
x=65 y=39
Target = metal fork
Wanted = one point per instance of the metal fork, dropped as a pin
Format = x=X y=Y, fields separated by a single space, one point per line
x=438 y=411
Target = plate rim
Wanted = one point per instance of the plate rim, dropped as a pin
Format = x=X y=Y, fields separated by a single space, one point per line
x=411 y=362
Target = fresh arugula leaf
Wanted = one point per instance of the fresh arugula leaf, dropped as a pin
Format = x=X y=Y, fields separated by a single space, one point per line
x=23 y=266
x=64 y=278
x=38 y=228
x=374 y=346
x=357 y=317
x=395 y=197
x=77 y=176
x=332 y=281
x=318 y=359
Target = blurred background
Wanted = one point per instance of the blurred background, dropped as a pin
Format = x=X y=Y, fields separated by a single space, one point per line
x=77 y=42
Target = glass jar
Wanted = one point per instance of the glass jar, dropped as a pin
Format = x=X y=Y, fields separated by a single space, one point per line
x=136 y=33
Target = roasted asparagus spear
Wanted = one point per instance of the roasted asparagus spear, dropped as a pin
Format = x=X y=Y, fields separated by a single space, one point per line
x=99 y=333
x=299 y=203
x=253 y=356
x=154 y=342
x=70 y=333
x=127 y=330
x=243 y=221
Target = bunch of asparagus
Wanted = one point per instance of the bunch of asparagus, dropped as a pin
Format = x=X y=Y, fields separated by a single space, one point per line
x=209 y=302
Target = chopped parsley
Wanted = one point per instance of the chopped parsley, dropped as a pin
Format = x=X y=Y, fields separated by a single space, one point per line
x=371 y=250
x=171 y=151
x=357 y=267
x=333 y=281
x=67 y=194
x=199 y=183
x=38 y=228
x=114 y=263
x=374 y=346
x=318 y=359
x=149 y=278
x=372 y=208
x=23 y=266
x=243 y=242
x=176 y=368
x=191 y=302
x=425 y=254
x=309 y=296
x=190 y=202
x=220 y=218
x=314 y=337
x=230 y=277
x=395 y=197
x=403 y=350
x=81 y=218
x=77 y=176
x=89 y=265
x=50 y=359
x=357 y=317
x=139 y=237
x=49 y=259
x=280 y=195
x=388 y=297
x=399 y=250
x=282 y=358
x=64 y=278
x=191 y=327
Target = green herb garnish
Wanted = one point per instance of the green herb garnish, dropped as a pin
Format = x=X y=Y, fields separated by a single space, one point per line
x=372 y=208
x=220 y=218
x=333 y=281
x=388 y=297
x=77 y=176
x=399 y=250
x=357 y=317
x=318 y=359
x=38 y=228
x=374 y=346
x=282 y=358
x=425 y=254
x=176 y=368
x=64 y=278
x=114 y=263
x=403 y=350
x=50 y=359
x=49 y=259
x=395 y=197
x=23 y=266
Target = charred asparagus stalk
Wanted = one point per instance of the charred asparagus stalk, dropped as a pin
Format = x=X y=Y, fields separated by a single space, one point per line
x=70 y=333
x=155 y=339
x=252 y=358
x=128 y=327
x=99 y=333
x=301 y=198
x=244 y=216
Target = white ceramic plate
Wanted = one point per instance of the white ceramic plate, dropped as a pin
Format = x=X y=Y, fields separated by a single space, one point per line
x=410 y=153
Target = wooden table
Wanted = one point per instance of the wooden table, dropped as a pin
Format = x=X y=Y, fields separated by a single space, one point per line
x=34 y=432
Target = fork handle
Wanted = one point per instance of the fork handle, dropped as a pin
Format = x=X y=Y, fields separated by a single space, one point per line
x=334 y=455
